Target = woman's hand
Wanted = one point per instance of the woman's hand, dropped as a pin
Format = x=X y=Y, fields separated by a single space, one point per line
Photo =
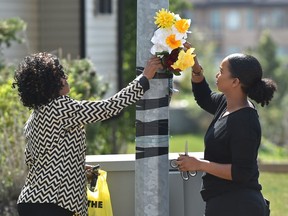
x=187 y=45
x=188 y=163
x=196 y=67
x=88 y=171
x=152 y=66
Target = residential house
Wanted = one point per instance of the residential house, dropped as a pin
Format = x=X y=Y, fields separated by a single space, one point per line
x=235 y=25
x=69 y=28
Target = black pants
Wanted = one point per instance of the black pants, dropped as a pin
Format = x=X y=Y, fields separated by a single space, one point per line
x=42 y=209
x=244 y=202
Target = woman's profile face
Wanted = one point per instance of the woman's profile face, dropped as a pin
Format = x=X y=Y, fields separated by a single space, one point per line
x=224 y=78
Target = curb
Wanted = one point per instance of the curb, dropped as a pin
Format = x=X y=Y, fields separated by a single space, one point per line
x=275 y=168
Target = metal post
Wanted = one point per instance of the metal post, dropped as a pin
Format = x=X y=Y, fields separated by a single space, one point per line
x=186 y=198
x=151 y=166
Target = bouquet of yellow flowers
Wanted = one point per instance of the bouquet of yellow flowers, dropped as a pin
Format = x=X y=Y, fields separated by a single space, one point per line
x=168 y=40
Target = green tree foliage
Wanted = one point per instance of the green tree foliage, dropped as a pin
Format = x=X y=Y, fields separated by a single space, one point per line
x=12 y=115
x=9 y=29
x=84 y=81
x=272 y=65
x=274 y=117
x=178 y=6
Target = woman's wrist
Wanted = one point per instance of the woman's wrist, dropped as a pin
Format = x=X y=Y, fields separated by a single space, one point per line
x=197 y=74
x=144 y=82
x=197 y=71
x=203 y=165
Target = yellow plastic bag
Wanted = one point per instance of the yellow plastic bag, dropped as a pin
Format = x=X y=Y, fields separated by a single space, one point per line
x=99 y=202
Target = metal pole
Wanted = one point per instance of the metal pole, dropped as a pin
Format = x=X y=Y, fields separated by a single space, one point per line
x=151 y=166
x=186 y=198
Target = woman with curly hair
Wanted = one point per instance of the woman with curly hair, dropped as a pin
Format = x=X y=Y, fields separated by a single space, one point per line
x=55 y=149
x=230 y=180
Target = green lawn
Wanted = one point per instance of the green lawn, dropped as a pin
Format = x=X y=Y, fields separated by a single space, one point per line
x=267 y=153
x=177 y=144
x=275 y=189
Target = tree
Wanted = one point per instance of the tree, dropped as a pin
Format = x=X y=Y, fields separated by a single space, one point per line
x=274 y=118
x=9 y=29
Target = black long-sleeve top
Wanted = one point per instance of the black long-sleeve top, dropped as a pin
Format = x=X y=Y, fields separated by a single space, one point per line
x=231 y=139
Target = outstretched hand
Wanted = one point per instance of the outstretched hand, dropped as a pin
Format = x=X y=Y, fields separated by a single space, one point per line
x=196 y=67
x=152 y=66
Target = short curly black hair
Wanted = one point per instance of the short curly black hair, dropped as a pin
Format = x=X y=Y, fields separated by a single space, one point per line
x=38 y=78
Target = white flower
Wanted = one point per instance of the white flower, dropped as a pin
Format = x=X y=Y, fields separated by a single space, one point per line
x=167 y=39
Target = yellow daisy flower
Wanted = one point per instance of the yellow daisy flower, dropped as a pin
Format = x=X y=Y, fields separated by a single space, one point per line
x=164 y=18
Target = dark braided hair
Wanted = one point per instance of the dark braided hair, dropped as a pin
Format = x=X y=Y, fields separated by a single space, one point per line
x=249 y=71
x=38 y=79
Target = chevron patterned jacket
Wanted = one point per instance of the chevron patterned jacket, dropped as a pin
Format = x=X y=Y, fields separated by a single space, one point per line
x=55 y=149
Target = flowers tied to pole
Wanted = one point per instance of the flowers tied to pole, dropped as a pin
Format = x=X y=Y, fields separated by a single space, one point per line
x=168 y=40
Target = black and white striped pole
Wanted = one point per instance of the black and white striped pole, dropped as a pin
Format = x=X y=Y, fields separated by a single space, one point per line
x=152 y=126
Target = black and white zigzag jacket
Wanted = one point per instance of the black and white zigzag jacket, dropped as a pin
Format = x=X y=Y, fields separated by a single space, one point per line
x=55 y=150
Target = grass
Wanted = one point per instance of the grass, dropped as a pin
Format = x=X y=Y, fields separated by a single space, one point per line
x=177 y=144
x=276 y=191
x=267 y=153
